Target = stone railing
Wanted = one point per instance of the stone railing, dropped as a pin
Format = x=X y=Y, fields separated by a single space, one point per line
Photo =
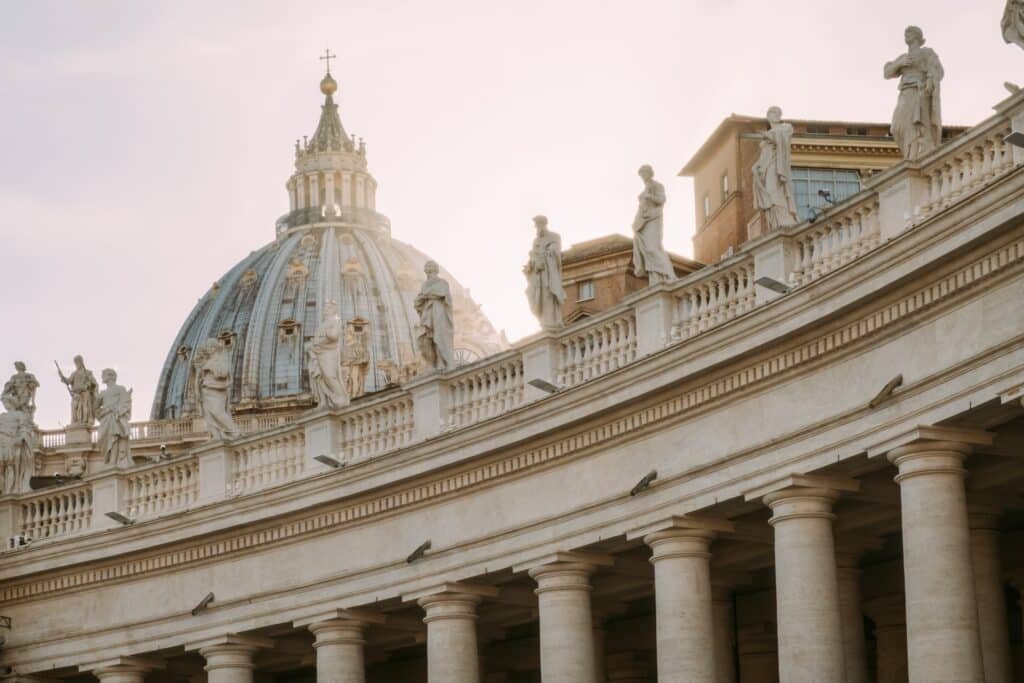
x=597 y=349
x=54 y=513
x=163 y=429
x=713 y=297
x=376 y=429
x=481 y=392
x=965 y=166
x=268 y=461
x=160 y=489
x=830 y=243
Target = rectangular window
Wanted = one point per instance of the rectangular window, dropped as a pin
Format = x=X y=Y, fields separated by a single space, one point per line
x=586 y=290
x=725 y=187
x=809 y=183
x=707 y=207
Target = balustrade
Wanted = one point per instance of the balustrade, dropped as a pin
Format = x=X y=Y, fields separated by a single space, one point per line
x=156 y=490
x=967 y=167
x=597 y=350
x=56 y=513
x=715 y=298
x=832 y=243
x=269 y=461
x=486 y=392
x=377 y=429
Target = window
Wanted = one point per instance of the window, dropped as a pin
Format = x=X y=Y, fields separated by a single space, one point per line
x=725 y=186
x=586 y=290
x=707 y=207
x=857 y=131
x=813 y=129
x=808 y=182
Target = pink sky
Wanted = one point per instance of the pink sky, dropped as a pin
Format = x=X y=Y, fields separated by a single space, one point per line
x=145 y=147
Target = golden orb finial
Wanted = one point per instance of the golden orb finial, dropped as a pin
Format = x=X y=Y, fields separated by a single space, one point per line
x=328 y=85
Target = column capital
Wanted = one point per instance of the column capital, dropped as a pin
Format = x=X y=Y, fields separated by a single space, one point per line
x=793 y=484
x=122 y=665
x=229 y=651
x=556 y=561
x=681 y=525
x=339 y=615
x=929 y=434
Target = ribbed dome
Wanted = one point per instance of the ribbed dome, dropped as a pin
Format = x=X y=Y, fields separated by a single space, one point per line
x=331 y=246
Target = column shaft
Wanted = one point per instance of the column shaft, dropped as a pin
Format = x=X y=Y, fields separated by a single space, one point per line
x=339 y=651
x=942 y=613
x=566 y=623
x=806 y=589
x=682 y=592
x=452 y=654
x=989 y=592
x=229 y=663
x=725 y=640
x=854 y=651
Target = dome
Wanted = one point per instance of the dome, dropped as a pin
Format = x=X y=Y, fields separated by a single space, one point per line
x=331 y=246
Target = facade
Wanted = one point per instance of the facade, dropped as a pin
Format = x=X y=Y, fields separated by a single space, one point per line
x=834 y=156
x=728 y=482
x=598 y=274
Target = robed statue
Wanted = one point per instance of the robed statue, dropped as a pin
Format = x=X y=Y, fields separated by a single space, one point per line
x=435 y=333
x=544 y=276
x=211 y=367
x=917 y=120
x=114 y=411
x=649 y=256
x=1013 y=22
x=19 y=393
x=82 y=386
x=773 y=191
x=355 y=356
x=323 y=361
x=18 y=460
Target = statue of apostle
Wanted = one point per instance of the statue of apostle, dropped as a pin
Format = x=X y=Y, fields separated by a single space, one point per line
x=20 y=391
x=114 y=411
x=211 y=366
x=355 y=356
x=1013 y=22
x=18 y=461
x=917 y=120
x=544 y=276
x=649 y=256
x=436 y=331
x=773 y=194
x=323 y=356
x=82 y=386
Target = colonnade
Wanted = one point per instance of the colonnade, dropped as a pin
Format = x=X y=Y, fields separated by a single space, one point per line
x=347 y=189
x=950 y=624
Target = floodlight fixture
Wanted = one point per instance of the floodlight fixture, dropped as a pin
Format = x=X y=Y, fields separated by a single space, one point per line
x=419 y=552
x=644 y=483
x=164 y=455
x=329 y=461
x=544 y=385
x=5 y=622
x=122 y=519
x=773 y=284
x=887 y=391
x=1015 y=138
x=203 y=604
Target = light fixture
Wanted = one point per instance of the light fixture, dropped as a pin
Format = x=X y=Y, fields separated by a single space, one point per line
x=329 y=461
x=644 y=483
x=5 y=622
x=203 y=604
x=1015 y=138
x=544 y=385
x=891 y=386
x=419 y=552
x=164 y=455
x=773 y=284
x=118 y=517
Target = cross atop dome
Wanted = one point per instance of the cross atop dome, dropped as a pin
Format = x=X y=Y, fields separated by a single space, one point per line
x=327 y=56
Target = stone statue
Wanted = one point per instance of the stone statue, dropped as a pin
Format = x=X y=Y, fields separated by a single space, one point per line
x=773 y=193
x=1013 y=22
x=917 y=121
x=212 y=366
x=114 y=411
x=82 y=386
x=20 y=391
x=544 y=276
x=323 y=356
x=17 y=448
x=649 y=256
x=436 y=331
x=355 y=356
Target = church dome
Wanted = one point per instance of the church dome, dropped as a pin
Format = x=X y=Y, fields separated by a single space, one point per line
x=332 y=245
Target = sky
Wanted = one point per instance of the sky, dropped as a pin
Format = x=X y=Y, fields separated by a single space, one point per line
x=144 y=147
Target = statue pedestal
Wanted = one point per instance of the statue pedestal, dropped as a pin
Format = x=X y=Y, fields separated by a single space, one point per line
x=78 y=434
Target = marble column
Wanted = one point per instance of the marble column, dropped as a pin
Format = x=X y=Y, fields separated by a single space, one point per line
x=990 y=594
x=339 y=644
x=599 y=651
x=942 y=612
x=889 y=617
x=346 y=188
x=229 y=658
x=722 y=614
x=314 y=189
x=854 y=651
x=452 y=652
x=806 y=588
x=566 y=621
x=120 y=669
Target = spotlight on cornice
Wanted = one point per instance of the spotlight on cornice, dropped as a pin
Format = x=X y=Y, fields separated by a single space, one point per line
x=644 y=483
x=1016 y=138
x=329 y=461
x=545 y=385
x=773 y=284
x=164 y=455
x=419 y=552
x=203 y=604
x=887 y=391
x=5 y=622
x=121 y=519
